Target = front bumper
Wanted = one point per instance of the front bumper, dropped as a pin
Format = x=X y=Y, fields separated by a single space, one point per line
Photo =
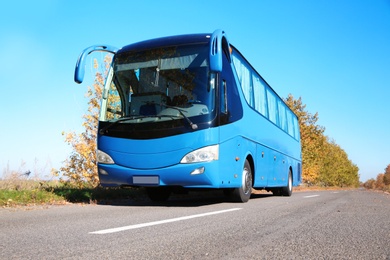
x=196 y=175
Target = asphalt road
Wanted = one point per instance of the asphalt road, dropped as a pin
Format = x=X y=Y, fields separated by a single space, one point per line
x=309 y=225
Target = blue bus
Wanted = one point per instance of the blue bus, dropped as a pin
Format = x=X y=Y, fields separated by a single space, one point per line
x=190 y=112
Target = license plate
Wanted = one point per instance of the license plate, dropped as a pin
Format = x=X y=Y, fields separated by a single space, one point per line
x=148 y=180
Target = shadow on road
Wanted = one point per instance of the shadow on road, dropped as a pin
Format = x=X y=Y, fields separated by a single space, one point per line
x=190 y=199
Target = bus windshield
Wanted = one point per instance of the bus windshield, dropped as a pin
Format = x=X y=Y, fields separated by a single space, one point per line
x=158 y=85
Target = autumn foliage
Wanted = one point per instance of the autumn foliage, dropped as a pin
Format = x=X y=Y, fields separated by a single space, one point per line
x=324 y=162
x=382 y=181
x=80 y=168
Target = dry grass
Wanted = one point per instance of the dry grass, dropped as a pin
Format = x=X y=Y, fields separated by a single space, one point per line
x=21 y=191
x=15 y=192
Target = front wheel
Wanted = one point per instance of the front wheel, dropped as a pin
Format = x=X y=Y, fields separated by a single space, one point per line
x=243 y=193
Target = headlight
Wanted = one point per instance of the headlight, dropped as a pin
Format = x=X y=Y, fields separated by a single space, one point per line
x=205 y=154
x=102 y=157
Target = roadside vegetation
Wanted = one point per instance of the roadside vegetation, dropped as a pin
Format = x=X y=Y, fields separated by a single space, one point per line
x=382 y=181
x=324 y=163
x=17 y=191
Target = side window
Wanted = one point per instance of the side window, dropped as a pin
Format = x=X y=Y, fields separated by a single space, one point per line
x=293 y=125
x=259 y=95
x=229 y=98
x=290 y=123
x=282 y=115
x=253 y=86
x=296 y=128
x=114 y=103
x=244 y=76
x=224 y=106
x=272 y=107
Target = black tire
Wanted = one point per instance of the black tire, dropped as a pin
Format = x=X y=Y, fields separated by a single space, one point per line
x=243 y=193
x=287 y=190
x=158 y=194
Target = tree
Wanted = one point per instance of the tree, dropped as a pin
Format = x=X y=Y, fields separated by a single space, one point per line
x=382 y=181
x=80 y=168
x=369 y=184
x=312 y=140
x=337 y=169
x=323 y=161
x=386 y=177
x=379 y=181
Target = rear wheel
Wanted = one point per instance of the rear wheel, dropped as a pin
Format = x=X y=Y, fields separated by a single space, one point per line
x=243 y=193
x=158 y=194
x=287 y=190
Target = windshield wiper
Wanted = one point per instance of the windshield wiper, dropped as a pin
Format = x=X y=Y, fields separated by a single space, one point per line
x=193 y=125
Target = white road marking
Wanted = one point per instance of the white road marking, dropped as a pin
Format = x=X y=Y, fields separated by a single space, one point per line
x=142 y=225
x=311 y=196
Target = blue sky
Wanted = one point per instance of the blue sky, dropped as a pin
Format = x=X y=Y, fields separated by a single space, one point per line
x=334 y=54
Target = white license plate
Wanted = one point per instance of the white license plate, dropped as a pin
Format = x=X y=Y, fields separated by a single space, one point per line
x=148 y=180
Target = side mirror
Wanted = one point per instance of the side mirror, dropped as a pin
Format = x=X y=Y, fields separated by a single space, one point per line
x=80 y=65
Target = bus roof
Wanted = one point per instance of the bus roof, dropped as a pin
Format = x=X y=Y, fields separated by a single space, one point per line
x=167 y=41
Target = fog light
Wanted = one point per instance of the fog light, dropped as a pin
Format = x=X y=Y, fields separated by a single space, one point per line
x=103 y=172
x=198 y=171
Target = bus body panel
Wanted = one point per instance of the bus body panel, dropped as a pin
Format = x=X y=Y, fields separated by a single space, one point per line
x=233 y=152
x=150 y=158
x=175 y=175
x=267 y=144
x=155 y=153
x=273 y=157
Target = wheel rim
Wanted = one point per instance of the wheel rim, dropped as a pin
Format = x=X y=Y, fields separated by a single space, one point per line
x=246 y=181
